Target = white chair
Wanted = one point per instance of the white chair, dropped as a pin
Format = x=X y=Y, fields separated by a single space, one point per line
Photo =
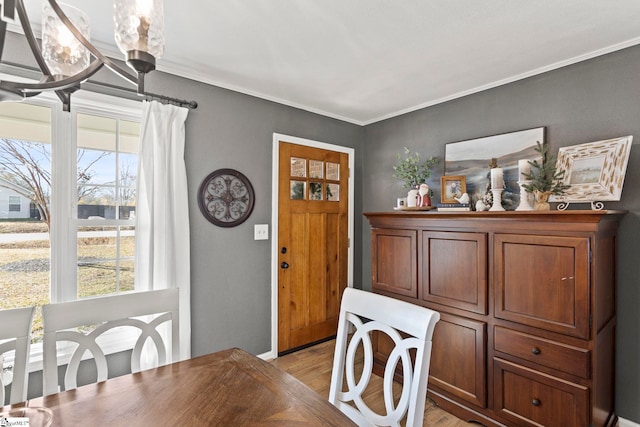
x=15 y=326
x=62 y=320
x=367 y=312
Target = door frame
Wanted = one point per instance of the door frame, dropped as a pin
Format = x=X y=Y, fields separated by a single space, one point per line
x=277 y=137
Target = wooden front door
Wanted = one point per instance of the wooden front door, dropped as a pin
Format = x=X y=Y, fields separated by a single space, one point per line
x=312 y=243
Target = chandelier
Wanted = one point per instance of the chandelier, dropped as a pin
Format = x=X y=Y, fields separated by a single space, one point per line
x=67 y=58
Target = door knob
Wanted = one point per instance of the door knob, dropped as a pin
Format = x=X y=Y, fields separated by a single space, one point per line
x=284 y=265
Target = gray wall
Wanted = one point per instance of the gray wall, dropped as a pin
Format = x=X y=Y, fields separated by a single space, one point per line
x=590 y=101
x=231 y=282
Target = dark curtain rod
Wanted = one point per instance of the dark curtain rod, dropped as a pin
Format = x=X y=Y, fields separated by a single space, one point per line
x=147 y=95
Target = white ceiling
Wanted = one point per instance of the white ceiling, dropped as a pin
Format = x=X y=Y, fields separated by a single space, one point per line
x=366 y=60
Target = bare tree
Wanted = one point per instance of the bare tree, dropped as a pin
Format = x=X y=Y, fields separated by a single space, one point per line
x=25 y=167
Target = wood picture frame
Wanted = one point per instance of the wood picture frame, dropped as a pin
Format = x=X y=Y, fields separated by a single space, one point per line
x=595 y=171
x=452 y=187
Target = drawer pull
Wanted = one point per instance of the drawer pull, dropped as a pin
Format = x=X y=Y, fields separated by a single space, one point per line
x=535 y=402
x=535 y=350
x=567 y=278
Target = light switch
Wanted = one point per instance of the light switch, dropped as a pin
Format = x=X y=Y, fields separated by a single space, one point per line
x=261 y=232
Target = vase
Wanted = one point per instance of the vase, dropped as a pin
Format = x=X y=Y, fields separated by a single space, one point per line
x=412 y=198
x=542 y=200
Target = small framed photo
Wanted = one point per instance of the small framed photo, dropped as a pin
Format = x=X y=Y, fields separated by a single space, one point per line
x=452 y=187
x=595 y=170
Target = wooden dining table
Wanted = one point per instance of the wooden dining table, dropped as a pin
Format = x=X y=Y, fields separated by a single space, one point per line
x=227 y=388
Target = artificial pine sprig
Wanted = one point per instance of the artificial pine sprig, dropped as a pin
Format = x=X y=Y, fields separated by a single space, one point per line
x=543 y=176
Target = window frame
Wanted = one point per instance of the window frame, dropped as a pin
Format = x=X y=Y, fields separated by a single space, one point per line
x=64 y=221
x=18 y=203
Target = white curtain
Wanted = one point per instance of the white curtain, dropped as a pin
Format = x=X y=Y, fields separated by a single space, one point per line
x=162 y=212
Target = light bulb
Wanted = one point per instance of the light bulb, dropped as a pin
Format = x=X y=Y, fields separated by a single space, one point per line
x=65 y=38
x=143 y=7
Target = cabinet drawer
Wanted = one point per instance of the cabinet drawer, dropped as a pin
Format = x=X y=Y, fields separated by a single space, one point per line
x=529 y=398
x=551 y=354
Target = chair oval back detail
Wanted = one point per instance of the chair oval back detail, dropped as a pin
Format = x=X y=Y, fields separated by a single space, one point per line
x=61 y=321
x=410 y=327
x=15 y=326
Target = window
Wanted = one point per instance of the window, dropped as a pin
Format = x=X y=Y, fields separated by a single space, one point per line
x=83 y=187
x=14 y=203
x=107 y=162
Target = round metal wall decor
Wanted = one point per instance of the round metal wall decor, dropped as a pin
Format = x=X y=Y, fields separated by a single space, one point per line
x=226 y=198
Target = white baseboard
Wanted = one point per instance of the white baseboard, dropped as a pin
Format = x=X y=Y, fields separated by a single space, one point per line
x=626 y=423
x=270 y=355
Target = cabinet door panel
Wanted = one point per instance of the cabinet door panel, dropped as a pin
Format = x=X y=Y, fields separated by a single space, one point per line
x=458 y=358
x=394 y=263
x=529 y=398
x=454 y=269
x=542 y=281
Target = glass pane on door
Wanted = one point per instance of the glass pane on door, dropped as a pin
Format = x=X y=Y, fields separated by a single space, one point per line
x=298 y=167
x=316 y=169
x=333 y=171
x=298 y=190
x=315 y=191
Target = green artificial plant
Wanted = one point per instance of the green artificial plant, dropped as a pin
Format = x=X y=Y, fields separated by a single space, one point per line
x=411 y=169
x=544 y=177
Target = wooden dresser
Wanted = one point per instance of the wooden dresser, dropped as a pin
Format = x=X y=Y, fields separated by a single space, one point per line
x=527 y=303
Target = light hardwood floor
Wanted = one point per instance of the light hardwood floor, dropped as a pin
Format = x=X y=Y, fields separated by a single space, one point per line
x=313 y=366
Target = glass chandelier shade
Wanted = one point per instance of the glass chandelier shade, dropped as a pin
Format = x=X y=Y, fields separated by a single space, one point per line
x=67 y=58
x=62 y=52
x=139 y=31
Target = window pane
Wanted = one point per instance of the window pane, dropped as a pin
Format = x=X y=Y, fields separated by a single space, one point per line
x=97 y=132
x=316 y=168
x=105 y=260
x=25 y=122
x=96 y=167
x=333 y=192
x=107 y=167
x=315 y=191
x=298 y=190
x=129 y=137
x=25 y=163
x=24 y=267
x=298 y=167
x=333 y=171
x=96 y=201
x=108 y=191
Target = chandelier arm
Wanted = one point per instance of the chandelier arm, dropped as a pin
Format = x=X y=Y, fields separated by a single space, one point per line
x=95 y=52
x=31 y=39
x=54 y=84
x=65 y=98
